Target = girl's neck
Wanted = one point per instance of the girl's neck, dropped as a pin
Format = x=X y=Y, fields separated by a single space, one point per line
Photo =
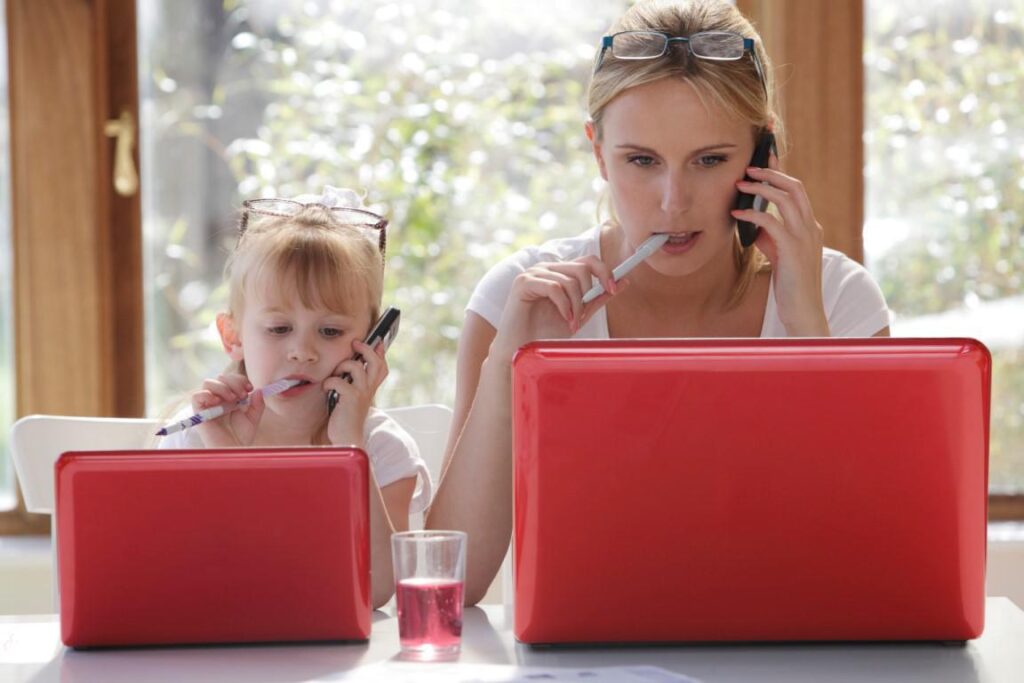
x=280 y=430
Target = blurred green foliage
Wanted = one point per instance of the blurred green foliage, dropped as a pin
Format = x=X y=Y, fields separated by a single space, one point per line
x=462 y=121
x=945 y=146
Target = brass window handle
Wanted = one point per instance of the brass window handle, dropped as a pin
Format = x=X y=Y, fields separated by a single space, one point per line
x=126 y=178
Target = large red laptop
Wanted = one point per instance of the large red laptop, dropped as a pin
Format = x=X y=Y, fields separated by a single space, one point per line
x=213 y=546
x=829 y=489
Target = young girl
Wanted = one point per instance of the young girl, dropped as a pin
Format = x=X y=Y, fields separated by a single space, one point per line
x=680 y=94
x=305 y=286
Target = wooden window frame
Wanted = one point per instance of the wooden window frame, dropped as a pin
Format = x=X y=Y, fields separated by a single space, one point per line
x=78 y=309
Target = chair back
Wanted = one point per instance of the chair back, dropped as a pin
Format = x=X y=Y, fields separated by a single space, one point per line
x=38 y=440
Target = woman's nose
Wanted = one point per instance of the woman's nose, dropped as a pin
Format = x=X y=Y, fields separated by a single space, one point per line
x=675 y=194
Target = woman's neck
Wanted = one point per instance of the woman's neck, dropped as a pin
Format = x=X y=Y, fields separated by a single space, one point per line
x=696 y=296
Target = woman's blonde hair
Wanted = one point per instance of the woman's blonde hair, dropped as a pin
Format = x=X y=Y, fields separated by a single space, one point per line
x=311 y=255
x=734 y=86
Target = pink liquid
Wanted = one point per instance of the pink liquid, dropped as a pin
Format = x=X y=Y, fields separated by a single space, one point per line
x=429 y=615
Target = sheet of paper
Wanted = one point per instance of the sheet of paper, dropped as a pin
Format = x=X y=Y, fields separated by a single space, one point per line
x=401 y=672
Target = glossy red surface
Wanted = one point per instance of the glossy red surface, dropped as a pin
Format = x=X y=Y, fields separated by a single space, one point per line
x=166 y=547
x=750 y=490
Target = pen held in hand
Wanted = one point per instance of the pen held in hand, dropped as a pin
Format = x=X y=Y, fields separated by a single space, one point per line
x=642 y=253
x=216 y=411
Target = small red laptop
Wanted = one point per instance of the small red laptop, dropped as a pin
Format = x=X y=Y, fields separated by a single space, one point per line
x=750 y=490
x=213 y=546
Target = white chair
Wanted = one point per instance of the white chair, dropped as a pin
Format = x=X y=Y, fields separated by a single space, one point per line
x=38 y=440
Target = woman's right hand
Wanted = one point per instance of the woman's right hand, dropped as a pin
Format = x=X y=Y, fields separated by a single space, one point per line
x=546 y=302
x=237 y=428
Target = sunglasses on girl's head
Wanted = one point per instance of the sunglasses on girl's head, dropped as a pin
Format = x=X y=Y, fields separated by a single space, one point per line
x=283 y=208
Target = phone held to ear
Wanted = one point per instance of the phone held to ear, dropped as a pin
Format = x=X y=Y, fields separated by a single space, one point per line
x=384 y=330
x=762 y=150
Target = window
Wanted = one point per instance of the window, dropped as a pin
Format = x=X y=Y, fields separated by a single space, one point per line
x=461 y=119
x=944 y=230
x=6 y=281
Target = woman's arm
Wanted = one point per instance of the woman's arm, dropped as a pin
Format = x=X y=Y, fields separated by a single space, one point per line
x=475 y=492
x=389 y=512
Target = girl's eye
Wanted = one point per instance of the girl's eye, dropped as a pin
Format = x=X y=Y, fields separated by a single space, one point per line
x=331 y=332
x=710 y=160
x=641 y=160
x=278 y=329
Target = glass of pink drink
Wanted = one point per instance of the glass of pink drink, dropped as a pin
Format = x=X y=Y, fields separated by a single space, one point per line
x=430 y=570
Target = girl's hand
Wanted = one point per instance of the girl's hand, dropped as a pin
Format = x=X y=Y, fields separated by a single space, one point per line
x=546 y=302
x=348 y=421
x=237 y=428
x=793 y=245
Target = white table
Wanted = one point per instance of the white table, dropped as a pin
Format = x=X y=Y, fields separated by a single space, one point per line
x=30 y=650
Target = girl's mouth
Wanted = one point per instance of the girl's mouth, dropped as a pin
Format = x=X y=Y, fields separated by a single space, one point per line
x=297 y=389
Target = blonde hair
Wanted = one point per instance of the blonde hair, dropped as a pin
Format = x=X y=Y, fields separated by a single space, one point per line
x=311 y=255
x=732 y=85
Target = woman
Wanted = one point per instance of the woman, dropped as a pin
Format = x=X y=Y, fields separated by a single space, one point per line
x=680 y=95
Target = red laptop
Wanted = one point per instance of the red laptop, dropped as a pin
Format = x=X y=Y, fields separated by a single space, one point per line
x=213 y=546
x=725 y=490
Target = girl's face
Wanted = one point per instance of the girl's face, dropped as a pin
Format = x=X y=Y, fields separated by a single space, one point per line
x=279 y=337
x=672 y=163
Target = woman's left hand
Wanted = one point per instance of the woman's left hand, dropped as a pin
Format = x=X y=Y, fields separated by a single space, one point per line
x=793 y=244
x=348 y=421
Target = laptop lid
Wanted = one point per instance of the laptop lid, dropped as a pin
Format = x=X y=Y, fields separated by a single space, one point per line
x=213 y=546
x=709 y=490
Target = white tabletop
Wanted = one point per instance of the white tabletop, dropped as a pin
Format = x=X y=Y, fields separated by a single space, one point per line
x=30 y=650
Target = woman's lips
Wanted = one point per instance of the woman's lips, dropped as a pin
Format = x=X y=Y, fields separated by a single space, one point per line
x=682 y=242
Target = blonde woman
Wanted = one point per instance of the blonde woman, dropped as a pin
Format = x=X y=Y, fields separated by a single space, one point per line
x=680 y=95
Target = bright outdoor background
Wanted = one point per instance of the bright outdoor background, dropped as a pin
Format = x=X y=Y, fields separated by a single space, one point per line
x=462 y=121
x=944 y=232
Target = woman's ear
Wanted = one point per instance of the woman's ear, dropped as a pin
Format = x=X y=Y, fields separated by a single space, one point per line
x=595 y=142
x=229 y=336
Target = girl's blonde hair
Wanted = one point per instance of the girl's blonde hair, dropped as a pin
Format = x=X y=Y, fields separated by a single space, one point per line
x=311 y=255
x=734 y=86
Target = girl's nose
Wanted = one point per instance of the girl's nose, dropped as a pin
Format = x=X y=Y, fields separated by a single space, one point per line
x=303 y=352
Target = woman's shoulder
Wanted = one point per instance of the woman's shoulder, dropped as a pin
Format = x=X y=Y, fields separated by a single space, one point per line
x=489 y=296
x=854 y=303
x=556 y=249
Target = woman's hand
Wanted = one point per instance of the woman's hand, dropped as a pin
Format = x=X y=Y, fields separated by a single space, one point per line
x=546 y=302
x=237 y=428
x=792 y=243
x=348 y=421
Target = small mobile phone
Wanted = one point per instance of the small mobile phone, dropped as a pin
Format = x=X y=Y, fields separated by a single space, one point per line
x=762 y=150
x=384 y=330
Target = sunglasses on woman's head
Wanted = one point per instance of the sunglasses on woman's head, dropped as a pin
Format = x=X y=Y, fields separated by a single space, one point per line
x=346 y=215
x=716 y=46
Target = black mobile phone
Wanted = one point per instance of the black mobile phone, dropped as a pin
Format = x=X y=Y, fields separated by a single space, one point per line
x=384 y=330
x=762 y=150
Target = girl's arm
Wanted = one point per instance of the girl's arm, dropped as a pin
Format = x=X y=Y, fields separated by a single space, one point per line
x=389 y=512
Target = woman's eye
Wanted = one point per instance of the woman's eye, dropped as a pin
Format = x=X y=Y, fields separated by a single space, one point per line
x=331 y=332
x=710 y=160
x=278 y=329
x=641 y=160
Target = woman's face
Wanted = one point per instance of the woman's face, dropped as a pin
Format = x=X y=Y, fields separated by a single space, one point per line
x=672 y=163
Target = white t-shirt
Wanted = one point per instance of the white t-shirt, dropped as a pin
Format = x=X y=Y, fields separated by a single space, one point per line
x=854 y=304
x=392 y=452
